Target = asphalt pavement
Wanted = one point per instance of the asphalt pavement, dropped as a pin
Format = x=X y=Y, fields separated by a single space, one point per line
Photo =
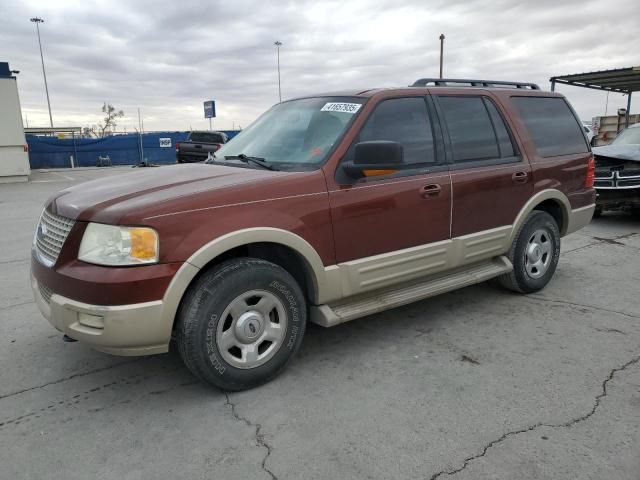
x=474 y=384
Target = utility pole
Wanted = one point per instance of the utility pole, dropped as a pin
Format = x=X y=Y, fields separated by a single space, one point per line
x=278 y=44
x=37 y=21
x=441 y=51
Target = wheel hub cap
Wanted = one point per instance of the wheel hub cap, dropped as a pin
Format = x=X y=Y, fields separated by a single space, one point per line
x=251 y=329
x=249 y=326
x=538 y=253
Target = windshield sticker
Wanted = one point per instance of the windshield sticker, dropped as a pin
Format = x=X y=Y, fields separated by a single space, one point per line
x=341 y=107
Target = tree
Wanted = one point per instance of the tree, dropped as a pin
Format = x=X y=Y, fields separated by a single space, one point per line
x=90 y=131
x=110 y=116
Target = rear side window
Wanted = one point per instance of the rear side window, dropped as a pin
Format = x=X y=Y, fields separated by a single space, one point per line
x=502 y=134
x=476 y=129
x=552 y=126
x=406 y=121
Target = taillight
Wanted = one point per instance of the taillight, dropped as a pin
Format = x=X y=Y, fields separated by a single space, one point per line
x=177 y=146
x=216 y=147
x=591 y=173
x=26 y=148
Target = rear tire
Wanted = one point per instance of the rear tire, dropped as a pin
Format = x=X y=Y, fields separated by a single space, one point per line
x=240 y=323
x=534 y=254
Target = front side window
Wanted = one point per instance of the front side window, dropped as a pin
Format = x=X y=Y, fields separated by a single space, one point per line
x=405 y=121
x=552 y=125
x=470 y=128
x=297 y=134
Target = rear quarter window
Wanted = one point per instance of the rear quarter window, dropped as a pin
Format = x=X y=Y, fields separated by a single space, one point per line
x=552 y=125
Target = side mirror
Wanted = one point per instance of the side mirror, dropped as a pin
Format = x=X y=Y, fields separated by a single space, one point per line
x=379 y=157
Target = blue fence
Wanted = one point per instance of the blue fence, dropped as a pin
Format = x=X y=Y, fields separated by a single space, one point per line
x=53 y=152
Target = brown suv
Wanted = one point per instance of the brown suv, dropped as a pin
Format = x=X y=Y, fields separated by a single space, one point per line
x=327 y=208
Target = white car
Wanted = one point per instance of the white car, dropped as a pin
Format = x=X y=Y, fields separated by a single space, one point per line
x=588 y=131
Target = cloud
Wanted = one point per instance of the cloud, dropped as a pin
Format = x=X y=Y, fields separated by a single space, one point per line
x=168 y=57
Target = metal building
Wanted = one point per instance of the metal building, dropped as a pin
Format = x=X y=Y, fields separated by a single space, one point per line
x=14 y=160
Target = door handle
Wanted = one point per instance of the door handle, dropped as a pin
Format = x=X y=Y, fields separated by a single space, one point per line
x=430 y=190
x=520 y=177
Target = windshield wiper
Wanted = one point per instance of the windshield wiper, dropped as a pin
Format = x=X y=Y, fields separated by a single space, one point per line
x=254 y=160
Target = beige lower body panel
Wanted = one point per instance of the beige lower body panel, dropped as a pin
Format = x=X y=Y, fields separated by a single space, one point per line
x=129 y=330
x=329 y=315
x=579 y=218
x=394 y=268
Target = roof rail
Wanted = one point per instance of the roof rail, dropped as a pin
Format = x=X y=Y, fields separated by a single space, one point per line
x=465 y=82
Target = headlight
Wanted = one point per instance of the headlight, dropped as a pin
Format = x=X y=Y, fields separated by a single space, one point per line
x=117 y=246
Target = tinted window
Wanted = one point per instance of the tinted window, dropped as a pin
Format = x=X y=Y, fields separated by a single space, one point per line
x=502 y=134
x=206 y=137
x=470 y=129
x=406 y=121
x=551 y=125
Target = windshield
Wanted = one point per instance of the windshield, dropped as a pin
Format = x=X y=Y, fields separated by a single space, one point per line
x=295 y=134
x=629 y=136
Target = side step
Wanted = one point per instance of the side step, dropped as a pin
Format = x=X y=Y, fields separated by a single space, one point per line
x=380 y=300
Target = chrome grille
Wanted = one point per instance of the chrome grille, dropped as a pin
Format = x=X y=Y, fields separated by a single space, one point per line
x=51 y=234
x=617 y=179
x=45 y=292
x=629 y=172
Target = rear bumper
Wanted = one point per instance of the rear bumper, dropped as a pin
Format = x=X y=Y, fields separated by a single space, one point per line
x=192 y=157
x=580 y=217
x=136 y=329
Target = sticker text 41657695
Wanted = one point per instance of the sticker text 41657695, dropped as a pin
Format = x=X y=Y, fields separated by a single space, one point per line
x=341 y=107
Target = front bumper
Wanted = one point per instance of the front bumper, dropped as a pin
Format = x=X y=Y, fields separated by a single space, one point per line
x=136 y=329
x=617 y=197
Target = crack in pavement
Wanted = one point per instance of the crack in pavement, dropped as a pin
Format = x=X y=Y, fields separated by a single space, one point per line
x=14 y=305
x=70 y=377
x=573 y=304
x=601 y=240
x=467 y=461
x=259 y=437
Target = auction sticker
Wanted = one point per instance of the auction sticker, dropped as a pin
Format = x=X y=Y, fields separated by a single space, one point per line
x=341 y=107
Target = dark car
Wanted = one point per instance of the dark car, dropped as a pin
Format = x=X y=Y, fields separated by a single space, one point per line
x=618 y=172
x=326 y=209
x=199 y=145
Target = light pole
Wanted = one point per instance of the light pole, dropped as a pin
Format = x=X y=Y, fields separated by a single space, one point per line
x=37 y=21
x=441 y=51
x=278 y=44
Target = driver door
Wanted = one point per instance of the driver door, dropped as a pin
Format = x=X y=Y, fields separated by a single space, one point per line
x=392 y=228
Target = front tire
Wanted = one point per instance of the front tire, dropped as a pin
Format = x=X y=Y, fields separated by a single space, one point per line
x=534 y=254
x=240 y=323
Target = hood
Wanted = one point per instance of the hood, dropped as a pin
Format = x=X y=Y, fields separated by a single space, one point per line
x=146 y=191
x=621 y=152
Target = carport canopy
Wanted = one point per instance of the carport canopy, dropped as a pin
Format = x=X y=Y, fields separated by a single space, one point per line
x=620 y=80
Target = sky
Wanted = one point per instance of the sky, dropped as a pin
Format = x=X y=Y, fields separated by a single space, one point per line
x=166 y=57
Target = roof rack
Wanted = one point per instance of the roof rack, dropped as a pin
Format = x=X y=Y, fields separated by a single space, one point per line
x=465 y=82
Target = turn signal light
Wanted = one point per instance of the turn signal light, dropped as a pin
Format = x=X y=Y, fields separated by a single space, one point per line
x=144 y=243
x=591 y=173
x=378 y=173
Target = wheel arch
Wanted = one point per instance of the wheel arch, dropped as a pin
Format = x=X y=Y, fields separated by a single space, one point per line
x=281 y=247
x=551 y=201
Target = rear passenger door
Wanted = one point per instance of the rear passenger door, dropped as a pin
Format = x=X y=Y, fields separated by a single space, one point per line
x=491 y=180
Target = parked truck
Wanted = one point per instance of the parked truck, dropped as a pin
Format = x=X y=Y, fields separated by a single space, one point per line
x=199 y=145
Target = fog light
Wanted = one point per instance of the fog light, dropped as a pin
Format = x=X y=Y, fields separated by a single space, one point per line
x=91 y=321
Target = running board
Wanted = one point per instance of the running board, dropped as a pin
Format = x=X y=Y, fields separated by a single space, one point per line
x=380 y=300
